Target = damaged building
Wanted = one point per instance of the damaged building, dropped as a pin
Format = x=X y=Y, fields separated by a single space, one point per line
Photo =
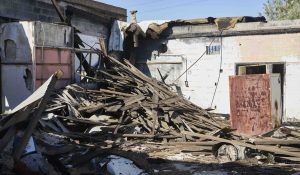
x=31 y=50
x=83 y=91
x=249 y=46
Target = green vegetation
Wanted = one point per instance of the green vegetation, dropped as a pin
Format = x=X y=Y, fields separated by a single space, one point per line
x=282 y=9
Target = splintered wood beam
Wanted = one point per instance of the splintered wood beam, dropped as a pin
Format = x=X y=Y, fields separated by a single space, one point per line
x=271 y=149
x=37 y=114
x=112 y=92
x=103 y=46
x=7 y=137
x=119 y=123
x=267 y=141
x=60 y=13
x=139 y=135
x=18 y=117
x=155 y=100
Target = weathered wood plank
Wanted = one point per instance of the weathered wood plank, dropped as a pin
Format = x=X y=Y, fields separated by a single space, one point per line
x=272 y=149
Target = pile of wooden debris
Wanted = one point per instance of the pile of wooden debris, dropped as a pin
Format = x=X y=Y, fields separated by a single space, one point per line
x=73 y=130
x=126 y=101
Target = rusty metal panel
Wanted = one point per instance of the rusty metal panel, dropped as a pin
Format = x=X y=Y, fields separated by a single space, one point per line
x=49 y=60
x=250 y=104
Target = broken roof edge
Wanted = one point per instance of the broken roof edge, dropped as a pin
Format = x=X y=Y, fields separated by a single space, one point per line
x=156 y=30
x=249 y=28
x=209 y=27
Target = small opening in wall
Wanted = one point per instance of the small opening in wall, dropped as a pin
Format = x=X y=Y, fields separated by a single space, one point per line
x=256 y=69
x=212 y=50
x=10 y=49
x=263 y=68
x=163 y=48
x=28 y=79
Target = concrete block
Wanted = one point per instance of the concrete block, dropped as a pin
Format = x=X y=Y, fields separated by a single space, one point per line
x=53 y=13
x=22 y=7
x=6 y=3
x=52 y=19
x=43 y=18
x=44 y=5
x=24 y=2
x=45 y=12
x=55 y=19
x=31 y=2
x=24 y=15
x=36 y=10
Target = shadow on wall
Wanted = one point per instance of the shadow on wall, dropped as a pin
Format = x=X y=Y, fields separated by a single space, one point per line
x=148 y=50
x=142 y=46
x=155 y=60
x=16 y=79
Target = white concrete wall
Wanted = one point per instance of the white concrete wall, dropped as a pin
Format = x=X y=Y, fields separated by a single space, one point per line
x=277 y=48
x=13 y=84
x=204 y=74
x=292 y=95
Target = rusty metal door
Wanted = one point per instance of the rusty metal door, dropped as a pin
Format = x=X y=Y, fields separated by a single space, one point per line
x=255 y=103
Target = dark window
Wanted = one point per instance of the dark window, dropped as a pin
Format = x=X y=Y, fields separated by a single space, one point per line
x=256 y=69
x=163 y=48
x=10 y=49
x=211 y=50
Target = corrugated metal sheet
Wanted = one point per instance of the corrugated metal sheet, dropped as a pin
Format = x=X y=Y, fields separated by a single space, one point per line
x=38 y=94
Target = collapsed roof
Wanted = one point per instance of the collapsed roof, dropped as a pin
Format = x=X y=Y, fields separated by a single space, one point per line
x=224 y=23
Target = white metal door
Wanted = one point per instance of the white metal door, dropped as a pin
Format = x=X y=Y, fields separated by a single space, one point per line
x=16 y=65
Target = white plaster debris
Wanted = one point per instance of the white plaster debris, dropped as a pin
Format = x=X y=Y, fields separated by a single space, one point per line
x=139 y=149
x=120 y=166
x=181 y=156
x=95 y=129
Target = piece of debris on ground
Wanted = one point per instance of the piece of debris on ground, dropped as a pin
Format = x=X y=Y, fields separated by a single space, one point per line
x=84 y=92
x=124 y=121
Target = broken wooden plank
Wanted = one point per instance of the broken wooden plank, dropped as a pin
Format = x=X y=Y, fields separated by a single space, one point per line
x=7 y=137
x=37 y=114
x=272 y=149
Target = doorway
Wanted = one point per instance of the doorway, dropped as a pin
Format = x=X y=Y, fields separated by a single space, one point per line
x=264 y=68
